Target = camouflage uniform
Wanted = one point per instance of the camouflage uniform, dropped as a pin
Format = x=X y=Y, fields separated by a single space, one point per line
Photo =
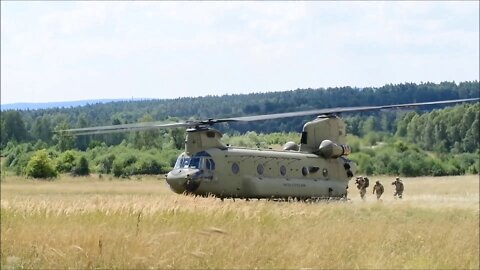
x=378 y=188
x=361 y=186
x=398 y=188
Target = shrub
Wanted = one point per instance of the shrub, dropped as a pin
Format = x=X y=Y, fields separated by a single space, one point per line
x=40 y=166
x=17 y=157
x=66 y=161
x=105 y=163
x=81 y=168
x=117 y=169
x=149 y=166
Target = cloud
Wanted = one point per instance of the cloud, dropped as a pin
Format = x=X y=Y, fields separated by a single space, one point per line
x=102 y=49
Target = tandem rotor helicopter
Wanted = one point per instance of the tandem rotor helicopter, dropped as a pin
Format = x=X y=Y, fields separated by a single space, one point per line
x=316 y=168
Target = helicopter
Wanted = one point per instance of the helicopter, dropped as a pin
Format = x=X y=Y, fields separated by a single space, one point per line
x=316 y=168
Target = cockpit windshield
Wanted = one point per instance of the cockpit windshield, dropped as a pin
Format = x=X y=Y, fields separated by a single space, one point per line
x=195 y=162
x=182 y=162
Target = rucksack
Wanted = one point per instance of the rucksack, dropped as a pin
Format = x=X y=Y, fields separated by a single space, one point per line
x=367 y=182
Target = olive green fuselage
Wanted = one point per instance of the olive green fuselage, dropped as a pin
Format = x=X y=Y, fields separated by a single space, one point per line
x=259 y=173
x=316 y=168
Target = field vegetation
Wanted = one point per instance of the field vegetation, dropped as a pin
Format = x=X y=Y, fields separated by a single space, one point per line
x=93 y=222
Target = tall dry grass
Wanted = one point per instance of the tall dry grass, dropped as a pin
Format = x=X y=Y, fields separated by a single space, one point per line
x=97 y=223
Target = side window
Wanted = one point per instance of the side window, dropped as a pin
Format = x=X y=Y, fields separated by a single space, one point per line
x=212 y=164
x=235 y=168
x=304 y=171
x=208 y=165
x=260 y=169
x=283 y=170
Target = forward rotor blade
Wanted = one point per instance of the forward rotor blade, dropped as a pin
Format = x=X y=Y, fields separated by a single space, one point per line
x=126 y=127
x=337 y=110
x=189 y=124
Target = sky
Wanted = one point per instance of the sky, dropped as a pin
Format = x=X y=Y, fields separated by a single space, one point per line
x=64 y=51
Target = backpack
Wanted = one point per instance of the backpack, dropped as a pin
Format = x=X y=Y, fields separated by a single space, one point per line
x=367 y=182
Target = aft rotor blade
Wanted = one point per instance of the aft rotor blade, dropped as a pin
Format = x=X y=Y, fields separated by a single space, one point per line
x=337 y=110
x=126 y=127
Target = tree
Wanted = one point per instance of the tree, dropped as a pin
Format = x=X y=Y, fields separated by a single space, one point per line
x=471 y=141
x=63 y=138
x=369 y=125
x=42 y=129
x=13 y=127
x=40 y=166
x=114 y=138
x=66 y=161
x=402 y=125
x=82 y=142
x=146 y=139
x=178 y=137
x=81 y=168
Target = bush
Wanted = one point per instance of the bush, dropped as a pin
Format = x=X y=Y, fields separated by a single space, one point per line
x=149 y=166
x=40 y=166
x=17 y=156
x=105 y=163
x=81 y=168
x=66 y=161
x=117 y=169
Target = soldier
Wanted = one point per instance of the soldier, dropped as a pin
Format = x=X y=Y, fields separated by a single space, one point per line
x=360 y=181
x=378 y=188
x=398 y=188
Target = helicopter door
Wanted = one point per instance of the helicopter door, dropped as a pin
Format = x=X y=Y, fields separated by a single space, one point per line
x=208 y=168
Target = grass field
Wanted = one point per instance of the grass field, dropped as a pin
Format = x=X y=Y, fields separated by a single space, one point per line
x=140 y=224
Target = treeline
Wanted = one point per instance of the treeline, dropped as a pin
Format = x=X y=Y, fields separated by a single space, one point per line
x=34 y=125
x=377 y=152
x=412 y=143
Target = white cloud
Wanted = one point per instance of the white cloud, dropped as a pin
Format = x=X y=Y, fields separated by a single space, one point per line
x=102 y=49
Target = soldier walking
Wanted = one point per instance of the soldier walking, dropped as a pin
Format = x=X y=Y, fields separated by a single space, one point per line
x=378 y=189
x=398 y=188
x=362 y=185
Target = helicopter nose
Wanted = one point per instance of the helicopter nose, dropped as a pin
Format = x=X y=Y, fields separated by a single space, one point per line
x=182 y=181
x=176 y=183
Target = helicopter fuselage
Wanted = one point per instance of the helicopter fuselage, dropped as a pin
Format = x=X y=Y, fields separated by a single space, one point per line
x=260 y=173
x=317 y=168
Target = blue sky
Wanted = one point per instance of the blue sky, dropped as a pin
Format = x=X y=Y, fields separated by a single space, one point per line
x=62 y=51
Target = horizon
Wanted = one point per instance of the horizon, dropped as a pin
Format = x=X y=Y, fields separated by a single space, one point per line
x=168 y=50
x=106 y=100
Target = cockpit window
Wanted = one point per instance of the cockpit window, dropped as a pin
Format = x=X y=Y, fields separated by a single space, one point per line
x=182 y=162
x=195 y=163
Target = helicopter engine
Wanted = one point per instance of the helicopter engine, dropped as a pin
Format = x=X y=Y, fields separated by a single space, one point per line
x=329 y=149
x=291 y=146
x=325 y=136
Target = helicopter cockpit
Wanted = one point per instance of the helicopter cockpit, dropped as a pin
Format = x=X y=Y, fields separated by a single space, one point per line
x=188 y=171
x=200 y=161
